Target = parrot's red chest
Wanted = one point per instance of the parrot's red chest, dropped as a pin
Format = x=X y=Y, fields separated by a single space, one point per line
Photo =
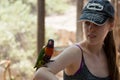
x=49 y=51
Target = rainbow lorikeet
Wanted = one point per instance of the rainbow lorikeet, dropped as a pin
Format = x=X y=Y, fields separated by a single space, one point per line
x=45 y=54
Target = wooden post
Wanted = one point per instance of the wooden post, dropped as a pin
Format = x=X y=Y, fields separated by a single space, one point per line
x=41 y=24
x=79 y=29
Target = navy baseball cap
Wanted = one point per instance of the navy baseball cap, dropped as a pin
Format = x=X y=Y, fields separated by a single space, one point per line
x=97 y=11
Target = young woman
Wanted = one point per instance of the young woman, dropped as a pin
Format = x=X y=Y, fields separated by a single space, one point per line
x=95 y=57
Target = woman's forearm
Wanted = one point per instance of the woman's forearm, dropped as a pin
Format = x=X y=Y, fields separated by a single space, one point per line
x=44 y=74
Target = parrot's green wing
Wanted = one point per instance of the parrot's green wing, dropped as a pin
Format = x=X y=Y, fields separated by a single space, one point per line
x=39 y=61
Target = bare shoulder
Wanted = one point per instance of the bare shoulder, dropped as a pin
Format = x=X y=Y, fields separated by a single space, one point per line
x=69 y=53
x=66 y=58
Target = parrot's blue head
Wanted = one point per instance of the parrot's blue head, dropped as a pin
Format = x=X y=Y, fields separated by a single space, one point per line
x=50 y=43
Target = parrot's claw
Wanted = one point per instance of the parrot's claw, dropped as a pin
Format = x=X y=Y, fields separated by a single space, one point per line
x=51 y=60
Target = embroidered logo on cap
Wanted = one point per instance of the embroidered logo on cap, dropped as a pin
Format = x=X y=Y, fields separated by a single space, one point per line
x=95 y=6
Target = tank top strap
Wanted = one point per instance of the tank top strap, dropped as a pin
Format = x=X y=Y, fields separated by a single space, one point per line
x=81 y=51
x=80 y=48
x=82 y=61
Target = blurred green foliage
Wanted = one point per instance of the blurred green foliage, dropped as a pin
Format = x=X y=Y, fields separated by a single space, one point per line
x=18 y=31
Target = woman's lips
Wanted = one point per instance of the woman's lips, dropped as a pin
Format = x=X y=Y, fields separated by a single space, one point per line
x=91 y=35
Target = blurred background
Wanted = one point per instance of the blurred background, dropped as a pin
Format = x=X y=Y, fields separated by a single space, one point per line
x=26 y=25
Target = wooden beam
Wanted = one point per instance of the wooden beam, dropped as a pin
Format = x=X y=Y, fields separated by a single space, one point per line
x=79 y=29
x=40 y=24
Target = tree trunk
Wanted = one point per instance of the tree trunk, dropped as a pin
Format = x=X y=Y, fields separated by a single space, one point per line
x=41 y=24
x=79 y=30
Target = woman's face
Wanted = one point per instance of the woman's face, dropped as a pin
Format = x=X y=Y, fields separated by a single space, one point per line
x=94 y=33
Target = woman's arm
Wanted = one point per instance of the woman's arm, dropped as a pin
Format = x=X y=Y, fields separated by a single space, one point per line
x=66 y=58
x=44 y=74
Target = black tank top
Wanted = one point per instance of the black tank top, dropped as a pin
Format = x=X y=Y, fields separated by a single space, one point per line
x=83 y=73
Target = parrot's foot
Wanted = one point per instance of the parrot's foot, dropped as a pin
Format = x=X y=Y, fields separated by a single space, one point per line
x=45 y=65
x=51 y=60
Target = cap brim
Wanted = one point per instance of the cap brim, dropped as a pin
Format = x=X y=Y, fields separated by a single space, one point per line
x=96 y=18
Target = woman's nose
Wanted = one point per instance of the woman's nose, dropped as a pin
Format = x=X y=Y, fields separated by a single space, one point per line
x=90 y=26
